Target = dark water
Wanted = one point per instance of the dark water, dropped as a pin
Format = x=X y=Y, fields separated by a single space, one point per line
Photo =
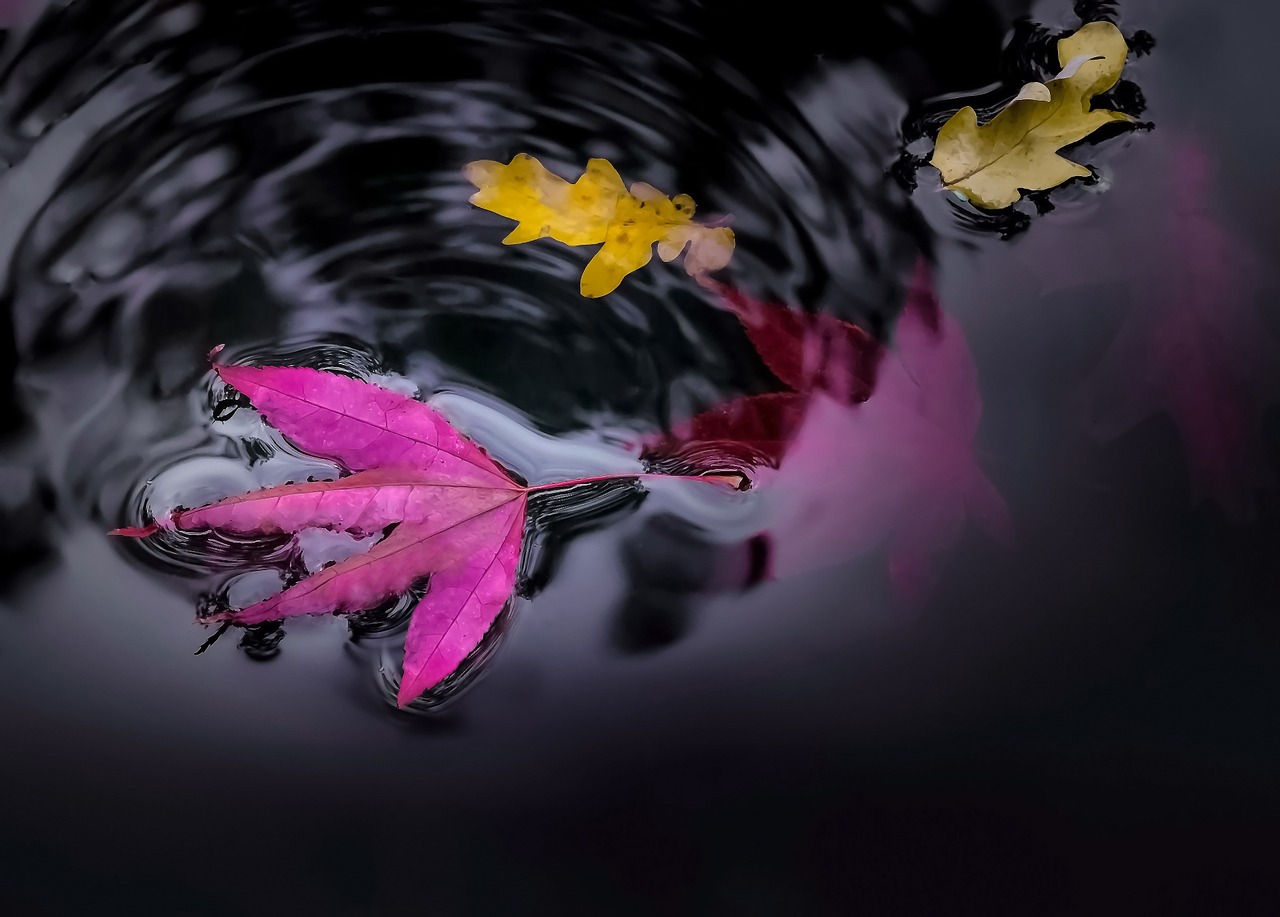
x=1084 y=723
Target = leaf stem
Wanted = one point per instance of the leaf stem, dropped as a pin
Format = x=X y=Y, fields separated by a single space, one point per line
x=734 y=480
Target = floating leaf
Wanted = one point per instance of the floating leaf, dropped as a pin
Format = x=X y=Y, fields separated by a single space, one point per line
x=991 y=164
x=597 y=208
x=454 y=514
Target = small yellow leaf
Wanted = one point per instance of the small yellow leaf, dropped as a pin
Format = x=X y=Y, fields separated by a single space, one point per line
x=991 y=164
x=598 y=208
x=546 y=204
x=628 y=246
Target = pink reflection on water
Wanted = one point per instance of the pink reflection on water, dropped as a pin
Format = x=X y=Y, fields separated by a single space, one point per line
x=1193 y=345
x=10 y=10
x=896 y=472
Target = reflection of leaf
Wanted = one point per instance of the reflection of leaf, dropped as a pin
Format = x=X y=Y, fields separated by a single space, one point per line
x=1195 y=345
x=598 y=208
x=889 y=462
x=810 y=353
x=457 y=516
x=898 y=469
x=1017 y=149
x=741 y=434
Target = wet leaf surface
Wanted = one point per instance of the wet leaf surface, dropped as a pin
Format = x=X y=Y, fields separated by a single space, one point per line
x=449 y=512
x=991 y=164
x=599 y=208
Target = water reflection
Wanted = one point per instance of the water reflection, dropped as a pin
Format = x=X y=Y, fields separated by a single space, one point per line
x=872 y=449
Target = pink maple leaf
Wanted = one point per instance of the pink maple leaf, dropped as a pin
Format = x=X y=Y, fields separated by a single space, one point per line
x=458 y=517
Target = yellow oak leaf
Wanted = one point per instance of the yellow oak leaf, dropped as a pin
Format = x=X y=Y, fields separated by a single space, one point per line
x=597 y=208
x=544 y=204
x=991 y=164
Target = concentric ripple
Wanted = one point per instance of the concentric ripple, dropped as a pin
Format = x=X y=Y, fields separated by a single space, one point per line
x=285 y=178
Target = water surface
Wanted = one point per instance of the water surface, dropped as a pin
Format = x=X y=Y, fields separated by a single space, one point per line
x=1082 y=723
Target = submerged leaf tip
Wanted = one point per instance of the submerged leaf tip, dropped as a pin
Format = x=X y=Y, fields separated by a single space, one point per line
x=136 y=531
